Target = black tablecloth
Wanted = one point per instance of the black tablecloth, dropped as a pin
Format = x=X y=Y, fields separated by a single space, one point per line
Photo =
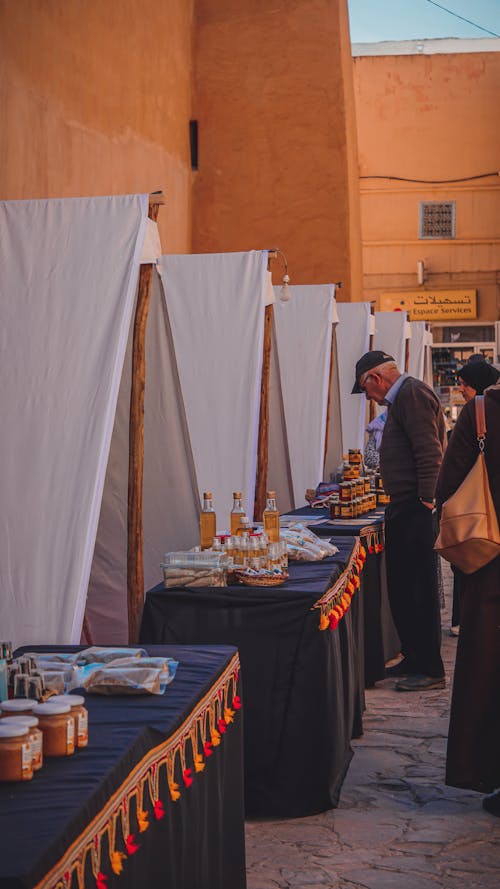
x=199 y=842
x=381 y=638
x=303 y=687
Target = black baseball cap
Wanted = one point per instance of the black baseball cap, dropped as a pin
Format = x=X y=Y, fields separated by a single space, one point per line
x=367 y=362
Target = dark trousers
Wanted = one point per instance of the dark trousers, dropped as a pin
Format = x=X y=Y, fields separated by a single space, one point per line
x=413 y=585
x=458 y=584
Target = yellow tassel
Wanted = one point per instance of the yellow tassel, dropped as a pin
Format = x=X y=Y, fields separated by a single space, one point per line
x=174 y=791
x=362 y=552
x=215 y=737
x=142 y=820
x=323 y=622
x=228 y=714
x=117 y=861
x=199 y=765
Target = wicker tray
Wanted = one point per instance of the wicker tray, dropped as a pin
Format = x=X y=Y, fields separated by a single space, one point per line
x=249 y=580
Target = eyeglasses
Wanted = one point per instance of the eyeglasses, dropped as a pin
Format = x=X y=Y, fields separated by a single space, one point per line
x=363 y=381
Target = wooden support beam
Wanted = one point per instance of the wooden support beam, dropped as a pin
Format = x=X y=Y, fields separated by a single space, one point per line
x=135 y=563
x=263 y=438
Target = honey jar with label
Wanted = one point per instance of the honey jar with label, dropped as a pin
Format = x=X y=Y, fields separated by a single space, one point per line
x=15 y=752
x=35 y=738
x=58 y=728
x=79 y=713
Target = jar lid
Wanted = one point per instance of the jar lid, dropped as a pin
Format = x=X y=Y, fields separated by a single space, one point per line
x=51 y=709
x=29 y=721
x=17 y=704
x=11 y=729
x=72 y=700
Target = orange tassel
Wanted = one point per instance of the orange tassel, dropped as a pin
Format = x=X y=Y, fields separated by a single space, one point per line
x=142 y=820
x=215 y=737
x=199 y=765
x=117 y=861
x=357 y=583
x=228 y=715
x=362 y=553
x=323 y=622
x=349 y=587
x=174 y=791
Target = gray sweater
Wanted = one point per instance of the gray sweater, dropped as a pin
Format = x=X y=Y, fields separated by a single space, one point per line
x=413 y=442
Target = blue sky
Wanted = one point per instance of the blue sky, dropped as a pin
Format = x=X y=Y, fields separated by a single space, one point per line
x=373 y=20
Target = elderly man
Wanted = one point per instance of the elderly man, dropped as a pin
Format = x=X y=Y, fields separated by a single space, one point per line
x=410 y=456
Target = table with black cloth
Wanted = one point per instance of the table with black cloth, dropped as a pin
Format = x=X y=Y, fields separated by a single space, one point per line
x=381 y=638
x=106 y=817
x=303 y=687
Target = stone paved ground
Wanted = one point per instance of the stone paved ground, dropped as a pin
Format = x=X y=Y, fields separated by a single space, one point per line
x=397 y=825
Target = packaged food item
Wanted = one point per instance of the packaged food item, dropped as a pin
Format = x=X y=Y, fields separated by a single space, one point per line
x=97 y=655
x=35 y=738
x=304 y=545
x=58 y=728
x=125 y=681
x=15 y=752
x=78 y=712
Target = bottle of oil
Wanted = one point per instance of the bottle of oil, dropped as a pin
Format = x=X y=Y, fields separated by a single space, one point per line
x=271 y=518
x=237 y=512
x=208 y=521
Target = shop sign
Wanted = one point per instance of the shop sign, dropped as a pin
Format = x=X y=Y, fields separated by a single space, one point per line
x=432 y=305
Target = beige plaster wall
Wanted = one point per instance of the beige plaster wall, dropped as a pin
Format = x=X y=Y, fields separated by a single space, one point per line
x=430 y=117
x=95 y=98
x=277 y=163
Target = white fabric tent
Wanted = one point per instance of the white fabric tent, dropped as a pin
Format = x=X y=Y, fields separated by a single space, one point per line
x=391 y=333
x=216 y=304
x=68 y=275
x=303 y=330
x=418 y=347
x=353 y=340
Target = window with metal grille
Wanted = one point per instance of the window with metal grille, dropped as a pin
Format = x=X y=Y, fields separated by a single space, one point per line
x=436 y=219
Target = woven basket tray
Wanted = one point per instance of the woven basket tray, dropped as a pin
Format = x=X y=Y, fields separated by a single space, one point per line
x=248 y=580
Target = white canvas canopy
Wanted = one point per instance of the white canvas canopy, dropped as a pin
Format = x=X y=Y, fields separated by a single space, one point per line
x=300 y=380
x=353 y=340
x=68 y=274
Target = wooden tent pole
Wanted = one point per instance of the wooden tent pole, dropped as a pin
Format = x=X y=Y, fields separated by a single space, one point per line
x=135 y=563
x=263 y=436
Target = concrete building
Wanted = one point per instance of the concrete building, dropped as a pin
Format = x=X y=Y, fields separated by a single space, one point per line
x=429 y=155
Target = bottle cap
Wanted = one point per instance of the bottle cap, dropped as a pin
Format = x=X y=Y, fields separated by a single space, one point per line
x=238 y=495
x=271 y=494
x=72 y=700
x=207 y=495
x=17 y=704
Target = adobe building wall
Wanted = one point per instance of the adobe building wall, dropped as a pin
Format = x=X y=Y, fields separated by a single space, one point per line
x=430 y=117
x=273 y=98
x=95 y=98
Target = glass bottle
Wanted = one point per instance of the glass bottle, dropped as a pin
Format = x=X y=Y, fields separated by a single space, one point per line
x=237 y=512
x=271 y=518
x=208 y=521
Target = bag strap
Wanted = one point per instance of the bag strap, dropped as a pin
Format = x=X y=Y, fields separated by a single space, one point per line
x=480 y=421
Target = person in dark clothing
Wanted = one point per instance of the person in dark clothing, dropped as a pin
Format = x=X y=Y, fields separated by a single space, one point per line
x=473 y=759
x=473 y=378
x=410 y=456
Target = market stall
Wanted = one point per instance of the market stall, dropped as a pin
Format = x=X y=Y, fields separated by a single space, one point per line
x=381 y=642
x=156 y=799
x=301 y=648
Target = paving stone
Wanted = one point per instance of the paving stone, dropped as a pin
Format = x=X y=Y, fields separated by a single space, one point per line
x=398 y=826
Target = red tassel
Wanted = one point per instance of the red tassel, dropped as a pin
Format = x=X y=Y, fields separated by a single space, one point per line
x=187 y=777
x=207 y=748
x=236 y=702
x=159 y=810
x=371 y=550
x=130 y=844
x=101 y=880
x=333 y=621
x=221 y=725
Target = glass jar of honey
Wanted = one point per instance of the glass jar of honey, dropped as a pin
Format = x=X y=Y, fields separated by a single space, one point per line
x=15 y=752
x=35 y=738
x=58 y=728
x=17 y=707
x=79 y=713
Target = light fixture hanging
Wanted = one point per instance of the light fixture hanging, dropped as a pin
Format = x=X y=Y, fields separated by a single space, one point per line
x=285 y=293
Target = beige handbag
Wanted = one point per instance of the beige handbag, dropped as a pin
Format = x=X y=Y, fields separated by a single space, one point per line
x=469 y=536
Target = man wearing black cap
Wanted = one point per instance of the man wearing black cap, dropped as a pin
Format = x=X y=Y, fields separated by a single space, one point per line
x=410 y=456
